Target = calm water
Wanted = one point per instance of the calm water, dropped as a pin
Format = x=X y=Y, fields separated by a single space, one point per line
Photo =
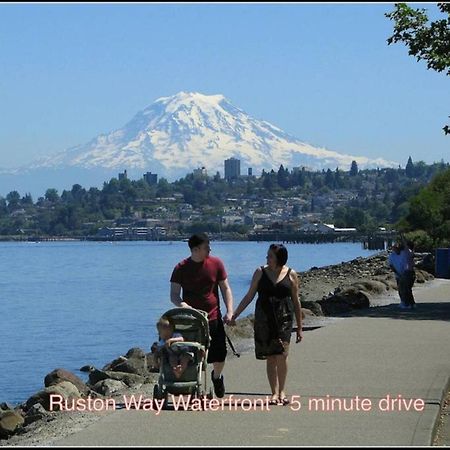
x=67 y=304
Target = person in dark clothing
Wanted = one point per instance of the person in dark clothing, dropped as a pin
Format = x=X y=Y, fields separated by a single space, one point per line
x=408 y=277
x=277 y=303
x=200 y=276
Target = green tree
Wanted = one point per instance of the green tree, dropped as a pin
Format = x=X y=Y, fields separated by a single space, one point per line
x=429 y=210
x=51 y=195
x=27 y=200
x=409 y=169
x=428 y=41
x=3 y=207
x=283 y=177
x=13 y=199
x=354 y=169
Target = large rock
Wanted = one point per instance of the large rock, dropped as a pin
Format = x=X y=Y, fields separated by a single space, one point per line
x=371 y=286
x=135 y=362
x=152 y=365
x=135 y=352
x=243 y=328
x=59 y=375
x=427 y=263
x=36 y=412
x=108 y=387
x=312 y=306
x=307 y=312
x=345 y=301
x=130 y=379
x=10 y=422
x=422 y=276
x=65 y=388
x=5 y=406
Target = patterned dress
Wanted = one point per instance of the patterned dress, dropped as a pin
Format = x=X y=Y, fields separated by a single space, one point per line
x=274 y=315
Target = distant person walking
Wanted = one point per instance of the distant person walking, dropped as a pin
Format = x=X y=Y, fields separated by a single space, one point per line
x=200 y=276
x=396 y=263
x=401 y=261
x=277 y=287
x=408 y=277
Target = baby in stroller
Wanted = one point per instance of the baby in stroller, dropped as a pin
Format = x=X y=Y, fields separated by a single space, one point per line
x=182 y=353
x=179 y=357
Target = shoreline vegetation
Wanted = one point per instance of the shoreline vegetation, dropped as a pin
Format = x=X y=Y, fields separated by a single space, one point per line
x=324 y=292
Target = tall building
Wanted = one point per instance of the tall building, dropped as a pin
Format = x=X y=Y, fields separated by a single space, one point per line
x=123 y=176
x=200 y=172
x=250 y=172
x=151 y=178
x=232 y=169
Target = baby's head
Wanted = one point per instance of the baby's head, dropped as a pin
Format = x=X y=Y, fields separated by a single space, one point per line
x=165 y=327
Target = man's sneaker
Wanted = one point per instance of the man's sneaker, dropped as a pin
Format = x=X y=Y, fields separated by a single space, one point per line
x=219 y=388
x=403 y=305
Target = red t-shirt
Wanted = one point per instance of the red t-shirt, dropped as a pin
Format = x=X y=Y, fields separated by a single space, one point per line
x=200 y=281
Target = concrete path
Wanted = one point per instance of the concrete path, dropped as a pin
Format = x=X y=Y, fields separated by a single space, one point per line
x=377 y=353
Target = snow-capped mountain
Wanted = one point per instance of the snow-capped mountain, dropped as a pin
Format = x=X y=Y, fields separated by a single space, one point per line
x=189 y=130
x=173 y=136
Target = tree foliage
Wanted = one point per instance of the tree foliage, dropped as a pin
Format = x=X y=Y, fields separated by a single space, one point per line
x=429 y=211
x=426 y=40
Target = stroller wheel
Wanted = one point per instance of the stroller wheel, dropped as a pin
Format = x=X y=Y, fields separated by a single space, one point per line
x=199 y=392
x=157 y=392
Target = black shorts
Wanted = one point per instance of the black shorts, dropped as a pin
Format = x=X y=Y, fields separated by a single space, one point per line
x=217 y=348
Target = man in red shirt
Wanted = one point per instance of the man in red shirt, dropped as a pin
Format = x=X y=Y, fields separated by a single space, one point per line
x=200 y=276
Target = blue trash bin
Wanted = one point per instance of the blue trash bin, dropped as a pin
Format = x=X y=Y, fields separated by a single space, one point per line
x=442 y=263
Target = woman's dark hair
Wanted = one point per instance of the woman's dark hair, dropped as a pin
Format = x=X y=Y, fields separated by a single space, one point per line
x=198 y=239
x=280 y=252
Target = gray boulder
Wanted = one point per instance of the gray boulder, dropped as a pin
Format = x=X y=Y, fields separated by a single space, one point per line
x=345 y=301
x=134 y=362
x=35 y=413
x=152 y=365
x=10 y=422
x=109 y=386
x=65 y=388
x=135 y=352
x=371 y=286
x=312 y=306
x=87 y=368
x=59 y=375
x=130 y=379
x=5 y=406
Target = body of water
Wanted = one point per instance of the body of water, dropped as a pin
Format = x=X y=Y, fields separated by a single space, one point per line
x=67 y=304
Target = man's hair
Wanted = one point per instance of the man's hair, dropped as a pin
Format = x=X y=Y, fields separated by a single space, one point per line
x=280 y=252
x=198 y=239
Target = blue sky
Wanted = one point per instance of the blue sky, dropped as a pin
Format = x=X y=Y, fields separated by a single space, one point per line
x=323 y=73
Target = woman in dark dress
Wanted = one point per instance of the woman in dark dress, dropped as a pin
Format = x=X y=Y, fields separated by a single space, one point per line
x=277 y=287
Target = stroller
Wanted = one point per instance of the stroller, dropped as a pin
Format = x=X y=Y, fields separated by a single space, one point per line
x=192 y=324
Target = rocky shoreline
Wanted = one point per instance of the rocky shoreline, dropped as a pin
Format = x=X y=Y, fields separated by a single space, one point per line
x=324 y=292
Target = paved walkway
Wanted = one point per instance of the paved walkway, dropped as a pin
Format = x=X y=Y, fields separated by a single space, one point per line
x=378 y=352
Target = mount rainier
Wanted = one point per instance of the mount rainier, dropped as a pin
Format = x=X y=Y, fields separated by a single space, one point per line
x=177 y=134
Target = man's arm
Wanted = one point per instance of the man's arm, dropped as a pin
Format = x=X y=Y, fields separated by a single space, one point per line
x=175 y=295
x=227 y=296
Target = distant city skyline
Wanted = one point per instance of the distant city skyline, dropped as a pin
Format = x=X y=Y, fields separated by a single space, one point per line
x=321 y=72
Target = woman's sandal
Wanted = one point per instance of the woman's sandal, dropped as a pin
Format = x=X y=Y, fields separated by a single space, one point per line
x=274 y=400
x=284 y=401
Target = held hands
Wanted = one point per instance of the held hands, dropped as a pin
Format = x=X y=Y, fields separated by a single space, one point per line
x=228 y=319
